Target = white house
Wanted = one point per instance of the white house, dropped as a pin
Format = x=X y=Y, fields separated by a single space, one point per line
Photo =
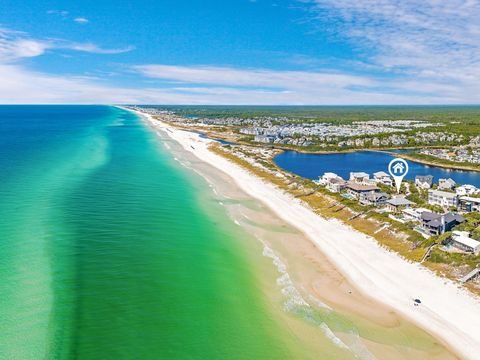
x=332 y=182
x=325 y=178
x=446 y=184
x=466 y=190
x=382 y=177
x=442 y=198
x=360 y=177
x=462 y=241
x=414 y=214
x=424 y=181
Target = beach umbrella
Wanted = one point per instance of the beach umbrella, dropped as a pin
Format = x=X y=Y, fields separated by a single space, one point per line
x=418 y=301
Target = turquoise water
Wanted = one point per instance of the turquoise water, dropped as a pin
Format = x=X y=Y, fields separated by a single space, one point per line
x=106 y=252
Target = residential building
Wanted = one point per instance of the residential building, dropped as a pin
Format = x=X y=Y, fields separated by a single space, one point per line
x=360 y=177
x=463 y=242
x=397 y=204
x=468 y=204
x=414 y=214
x=442 y=198
x=437 y=224
x=336 y=184
x=424 y=181
x=325 y=178
x=446 y=184
x=373 y=198
x=356 y=189
x=382 y=177
x=466 y=190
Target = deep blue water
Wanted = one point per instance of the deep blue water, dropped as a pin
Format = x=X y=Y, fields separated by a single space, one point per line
x=314 y=165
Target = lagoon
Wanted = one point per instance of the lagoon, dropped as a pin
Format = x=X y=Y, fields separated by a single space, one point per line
x=312 y=166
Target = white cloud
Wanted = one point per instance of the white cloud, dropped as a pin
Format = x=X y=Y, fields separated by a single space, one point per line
x=81 y=20
x=251 y=77
x=427 y=42
x=17 y=45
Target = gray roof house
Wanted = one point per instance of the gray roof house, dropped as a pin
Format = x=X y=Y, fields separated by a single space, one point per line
x=424 y=181
x=446 y=184
x=437 y=224
x=396 y=204
x=373 y=198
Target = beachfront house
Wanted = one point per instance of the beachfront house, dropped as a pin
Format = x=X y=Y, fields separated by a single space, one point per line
x=414 y=214
x=462 y=241
x=360 y=177
x=446 y=184
x=383 y=178
x=332 y=182
x=466 y=190
x=356 y=190
x=373 y=198
x=442 y=198
x=436 y=224
x=397 y=204
x=468 y=204
x=424 y=181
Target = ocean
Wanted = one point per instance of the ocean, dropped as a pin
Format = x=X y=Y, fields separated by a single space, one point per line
x=112 y=247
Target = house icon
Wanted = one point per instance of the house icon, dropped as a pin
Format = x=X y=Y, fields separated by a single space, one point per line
x=398 y=168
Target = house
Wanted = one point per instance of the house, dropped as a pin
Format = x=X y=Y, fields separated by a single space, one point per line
x=336 y=184
x=332 y=182
x=437 y=224
x=360 y=177
x=468 y=204
x=411 y=214
x=466 y=190
x=373 y=198
x=356 y=189
x=463 y=242
x=397 y=204
x=424 y=181
x=325 y=178
x=382 y=177
x=446 y=184
x=442 y=198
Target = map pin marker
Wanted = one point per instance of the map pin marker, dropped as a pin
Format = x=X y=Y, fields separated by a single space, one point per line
x=398 y=168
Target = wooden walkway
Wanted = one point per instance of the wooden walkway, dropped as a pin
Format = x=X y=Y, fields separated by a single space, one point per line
x=471 y=275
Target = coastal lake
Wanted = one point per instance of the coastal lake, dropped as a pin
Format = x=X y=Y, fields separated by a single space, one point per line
x=312 y=166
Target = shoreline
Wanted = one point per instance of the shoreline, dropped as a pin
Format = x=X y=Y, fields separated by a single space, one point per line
x=377 y=272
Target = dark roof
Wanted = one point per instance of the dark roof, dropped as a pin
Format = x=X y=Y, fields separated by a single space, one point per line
x=376 y=195
x=435 y=220
x=424 y=178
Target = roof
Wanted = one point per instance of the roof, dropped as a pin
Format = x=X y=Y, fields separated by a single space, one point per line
x=424 y=178
x=442 y=193
x=467 y=241
x=399 y=201
x=434 y=219
x=360 y=187
x=471 y=199
x=359 y=174
x=376 y=195
x=380 y=174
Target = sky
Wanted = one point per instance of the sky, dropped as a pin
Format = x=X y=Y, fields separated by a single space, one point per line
x=259 y=52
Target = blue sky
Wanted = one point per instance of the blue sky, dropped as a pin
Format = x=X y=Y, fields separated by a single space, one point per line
x=240 y=52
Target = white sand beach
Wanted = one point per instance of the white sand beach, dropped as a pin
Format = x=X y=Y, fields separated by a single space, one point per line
x=447 y=311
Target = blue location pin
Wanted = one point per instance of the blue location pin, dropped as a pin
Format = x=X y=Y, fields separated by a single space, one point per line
x=398 y=168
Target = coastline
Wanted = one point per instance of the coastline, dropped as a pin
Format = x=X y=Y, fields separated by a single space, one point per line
x=446 y=311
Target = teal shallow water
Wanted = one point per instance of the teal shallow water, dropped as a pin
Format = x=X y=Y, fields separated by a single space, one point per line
x=106 y=253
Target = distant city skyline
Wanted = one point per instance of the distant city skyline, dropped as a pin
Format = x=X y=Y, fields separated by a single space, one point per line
x=258 y=52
